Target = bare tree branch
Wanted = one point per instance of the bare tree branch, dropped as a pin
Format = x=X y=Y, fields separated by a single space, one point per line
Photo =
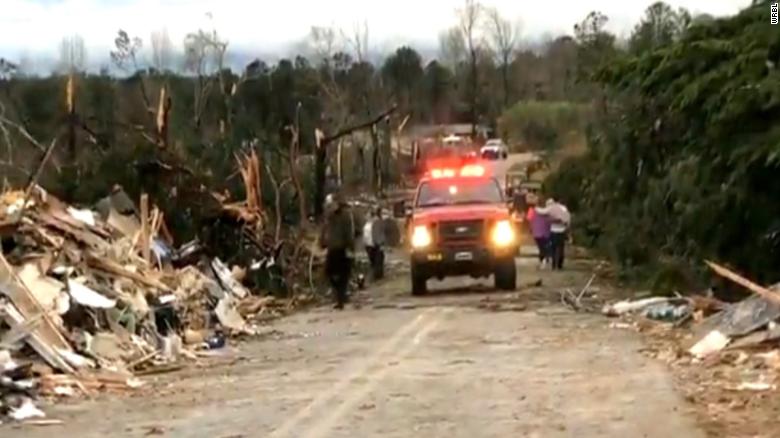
x=504 y=36
x=277 y=202
x=162 y=50
x=358 y=41
x=5 y=123
x=73 y=54
x=470 y=17
x=205 y=53
x=292 y=160
x=349 y=130
x=125 y=57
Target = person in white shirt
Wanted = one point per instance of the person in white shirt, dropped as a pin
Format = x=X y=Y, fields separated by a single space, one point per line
x=559 y=229
x=374 y=240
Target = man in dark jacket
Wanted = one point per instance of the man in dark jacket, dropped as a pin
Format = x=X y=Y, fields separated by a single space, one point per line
x=337 y=237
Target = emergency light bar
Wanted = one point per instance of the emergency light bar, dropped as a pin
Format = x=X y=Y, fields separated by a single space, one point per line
x=470 y=170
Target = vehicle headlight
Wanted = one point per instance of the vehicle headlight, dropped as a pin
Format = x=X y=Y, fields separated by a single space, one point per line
x=421 y=237
x=503 y=233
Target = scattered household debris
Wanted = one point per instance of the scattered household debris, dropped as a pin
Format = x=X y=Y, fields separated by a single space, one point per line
x=726 y=352
x=627 y=306
x=89 y=300
x=714 y=342
x=575 y=301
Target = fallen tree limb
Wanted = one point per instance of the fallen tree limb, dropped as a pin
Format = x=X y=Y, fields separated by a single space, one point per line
x=742 y=281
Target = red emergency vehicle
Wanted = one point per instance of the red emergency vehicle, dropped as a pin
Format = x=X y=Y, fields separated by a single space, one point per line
x=460 y=225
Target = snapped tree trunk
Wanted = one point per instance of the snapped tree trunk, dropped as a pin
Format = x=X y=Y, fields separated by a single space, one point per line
x=474 y=90
x=321 y=156
x=320 y=163
x=71 y=117
x=163 y=114
x=294 y=154
x=505 y=79
x=376 y=172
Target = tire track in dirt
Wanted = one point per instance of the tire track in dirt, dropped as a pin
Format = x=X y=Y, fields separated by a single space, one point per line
x=360 y=369
x=324 y=426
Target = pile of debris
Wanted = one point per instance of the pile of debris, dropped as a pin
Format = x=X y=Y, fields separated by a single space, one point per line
x=744 y=334
x=90 y=298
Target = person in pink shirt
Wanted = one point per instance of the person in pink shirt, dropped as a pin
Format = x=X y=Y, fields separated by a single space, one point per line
x=540 y=229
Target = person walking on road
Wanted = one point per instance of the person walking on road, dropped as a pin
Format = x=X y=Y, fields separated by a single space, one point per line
x=540 y=230
x=379 y=238
x=560 y=219
x=337 y=238
x=374 y=240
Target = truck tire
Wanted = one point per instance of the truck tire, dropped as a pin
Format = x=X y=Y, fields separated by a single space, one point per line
x=505 y=275
x=419 y=281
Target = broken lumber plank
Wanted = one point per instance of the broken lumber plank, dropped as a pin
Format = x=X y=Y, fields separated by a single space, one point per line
x=114 y=268
x=18 y=332
x=85 y=237
x=28 y=305
x=66 y=216
x=744 y=282
x=14 y=318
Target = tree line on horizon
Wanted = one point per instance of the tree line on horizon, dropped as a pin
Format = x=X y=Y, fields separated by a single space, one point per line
x=299 y=114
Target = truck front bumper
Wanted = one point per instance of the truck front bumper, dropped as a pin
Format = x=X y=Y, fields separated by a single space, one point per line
x=474 y=261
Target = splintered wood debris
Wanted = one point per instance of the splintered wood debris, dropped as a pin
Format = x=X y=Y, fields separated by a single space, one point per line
x=97 y=299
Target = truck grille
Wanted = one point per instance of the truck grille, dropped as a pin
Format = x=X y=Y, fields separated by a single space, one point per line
x=461 y=231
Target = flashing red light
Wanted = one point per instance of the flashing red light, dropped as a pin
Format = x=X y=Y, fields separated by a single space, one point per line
x=442 y=173
x=470 y=170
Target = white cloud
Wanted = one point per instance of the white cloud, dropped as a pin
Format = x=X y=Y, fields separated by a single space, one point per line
x=36 y=26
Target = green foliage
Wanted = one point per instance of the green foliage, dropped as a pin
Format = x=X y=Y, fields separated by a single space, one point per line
x=683 y=153
x=660 y=27
x=542 y=125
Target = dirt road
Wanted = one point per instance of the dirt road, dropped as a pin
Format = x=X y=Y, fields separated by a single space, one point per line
x=463 y=362
x=499 y=168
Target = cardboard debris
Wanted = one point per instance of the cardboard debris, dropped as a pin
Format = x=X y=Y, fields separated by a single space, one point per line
x=88 y=297
x=26 y=411
x=46 y=289
x=107 y=346
x=228 y=281
x=229 y=316
x=714 y=342
x=86 y=216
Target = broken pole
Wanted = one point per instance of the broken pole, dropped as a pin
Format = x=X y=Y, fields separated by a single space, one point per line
x=145 y=232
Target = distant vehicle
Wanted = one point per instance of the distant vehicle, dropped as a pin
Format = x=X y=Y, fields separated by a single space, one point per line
x=454 y=141
x=494 y=149
x=448 y=149
x=459 y=224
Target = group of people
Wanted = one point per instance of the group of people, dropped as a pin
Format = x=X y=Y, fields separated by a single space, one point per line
x=550 y=229
x=337 y=238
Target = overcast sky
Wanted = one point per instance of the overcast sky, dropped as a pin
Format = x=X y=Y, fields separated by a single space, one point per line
x=34 y=28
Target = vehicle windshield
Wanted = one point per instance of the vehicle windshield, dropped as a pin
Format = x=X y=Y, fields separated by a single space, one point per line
x=443 y=192
x=491 y=154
